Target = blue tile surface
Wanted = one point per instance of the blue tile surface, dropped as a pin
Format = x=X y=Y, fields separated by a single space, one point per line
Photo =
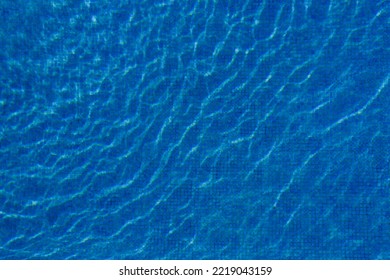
x=163 y=129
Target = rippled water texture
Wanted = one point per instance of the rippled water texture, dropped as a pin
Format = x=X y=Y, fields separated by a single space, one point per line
x=195 y=129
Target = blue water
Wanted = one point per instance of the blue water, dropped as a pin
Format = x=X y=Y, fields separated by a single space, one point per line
x=195 y=129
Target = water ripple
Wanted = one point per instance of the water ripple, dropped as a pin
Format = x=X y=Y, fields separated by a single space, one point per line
x=197 y=130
